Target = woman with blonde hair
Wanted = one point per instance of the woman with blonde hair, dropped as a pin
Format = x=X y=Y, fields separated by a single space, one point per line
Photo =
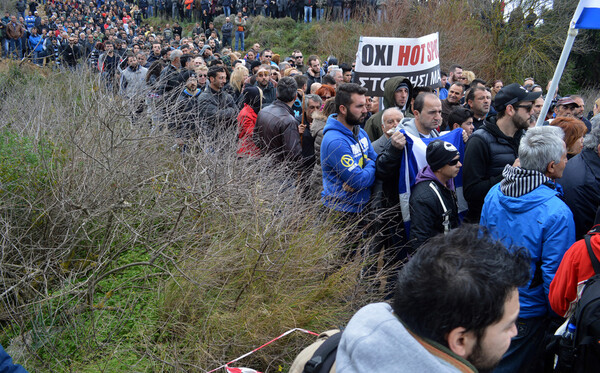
x=467 y=77
x=201 y=74
x=238 y=76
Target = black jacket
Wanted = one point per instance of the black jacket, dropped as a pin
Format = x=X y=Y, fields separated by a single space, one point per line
x=384 y=193
x=276 y=133
x=426 y=212
x=170 y=82
x=218 y=111
x=487 y=152
x=581 y=184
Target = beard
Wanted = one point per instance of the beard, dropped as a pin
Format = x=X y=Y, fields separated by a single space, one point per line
x=353 y=120
x=482 y=360
x=520 y=123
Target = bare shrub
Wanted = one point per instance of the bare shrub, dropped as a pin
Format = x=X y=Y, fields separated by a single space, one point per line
x=122 y=252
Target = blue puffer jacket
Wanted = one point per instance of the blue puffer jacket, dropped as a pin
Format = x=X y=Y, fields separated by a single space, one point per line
x=539 y=221
x=346 y=160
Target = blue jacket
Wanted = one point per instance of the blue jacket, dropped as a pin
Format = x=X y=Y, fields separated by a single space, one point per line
x=345 y=159
x=539 y=221
x=36 y=43
x=7 y=365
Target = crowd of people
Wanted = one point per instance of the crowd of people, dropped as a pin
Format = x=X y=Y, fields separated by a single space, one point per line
x=401 y=169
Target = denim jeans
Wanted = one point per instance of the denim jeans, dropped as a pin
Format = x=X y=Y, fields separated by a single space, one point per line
x=14 y=45
x=307 y=14
x=239 y=35
x=346 y=14
x=227 y=11
x=320 y=13
x=525 y=347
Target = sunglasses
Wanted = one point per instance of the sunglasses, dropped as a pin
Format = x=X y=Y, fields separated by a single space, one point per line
x=202 y=75
x=299 y=57
x=262 y=74
x=268 y=56
x=453 y=162
x=526 y=107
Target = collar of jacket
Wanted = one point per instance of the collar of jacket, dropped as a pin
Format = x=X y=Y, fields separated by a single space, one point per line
x=519 y=181
x=442 y=352
x=278 y=102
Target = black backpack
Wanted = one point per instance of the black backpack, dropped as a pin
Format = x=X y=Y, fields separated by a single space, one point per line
x=319 y=357
x=583 y=355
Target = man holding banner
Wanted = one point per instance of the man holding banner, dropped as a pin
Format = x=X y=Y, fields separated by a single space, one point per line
x=397 y=93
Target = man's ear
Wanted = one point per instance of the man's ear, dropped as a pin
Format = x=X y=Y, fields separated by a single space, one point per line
x=455 y=126
x=550 y=168
x=343 y=110
x=461 y=341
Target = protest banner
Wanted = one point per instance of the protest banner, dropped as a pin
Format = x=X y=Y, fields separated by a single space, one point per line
x=379 y=59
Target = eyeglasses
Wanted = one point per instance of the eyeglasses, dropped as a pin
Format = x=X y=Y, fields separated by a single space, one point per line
x=453 y=162
x=526 y=107
x=268 y=56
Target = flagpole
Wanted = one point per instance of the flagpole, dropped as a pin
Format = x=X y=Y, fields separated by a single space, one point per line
x=562 y=62
x=557 y=73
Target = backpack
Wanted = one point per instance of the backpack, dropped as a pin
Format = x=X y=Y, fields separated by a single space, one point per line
x=583 y=354
x=319 y=357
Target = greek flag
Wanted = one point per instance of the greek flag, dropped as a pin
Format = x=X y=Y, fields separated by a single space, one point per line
x=414 y=160
x=587 y=15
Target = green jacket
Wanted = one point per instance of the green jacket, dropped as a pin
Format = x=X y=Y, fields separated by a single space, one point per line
x=373 y=125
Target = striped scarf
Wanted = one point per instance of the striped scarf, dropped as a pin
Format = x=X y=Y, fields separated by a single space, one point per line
x=518 y=181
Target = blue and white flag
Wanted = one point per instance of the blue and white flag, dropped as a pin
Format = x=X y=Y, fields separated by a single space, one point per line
x=587 y=15
x=414 y=161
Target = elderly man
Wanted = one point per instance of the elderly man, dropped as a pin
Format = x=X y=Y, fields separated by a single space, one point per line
x=391 y=118
x=526 y=210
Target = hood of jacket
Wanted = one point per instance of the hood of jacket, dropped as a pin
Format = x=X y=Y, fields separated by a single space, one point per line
x=317 y=125
x=389 y=88
x=519 y=182
x=427 y=174
x=333 y=124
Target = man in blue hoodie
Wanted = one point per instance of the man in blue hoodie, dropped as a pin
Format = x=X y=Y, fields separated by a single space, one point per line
x=347 y=156
x=526 y=209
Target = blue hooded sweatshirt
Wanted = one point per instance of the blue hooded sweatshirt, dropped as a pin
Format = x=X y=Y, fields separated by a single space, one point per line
x=346 y=159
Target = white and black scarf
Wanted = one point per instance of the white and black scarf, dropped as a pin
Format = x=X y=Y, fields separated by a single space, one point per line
x=518 y=181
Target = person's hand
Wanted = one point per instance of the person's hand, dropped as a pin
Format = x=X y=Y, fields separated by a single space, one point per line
x=348 y=188
x=517 y=163
x=465 y=136
x=398 y=140
x=301 y=128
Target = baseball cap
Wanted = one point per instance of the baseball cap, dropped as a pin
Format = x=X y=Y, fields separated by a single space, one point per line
x=511 y=94
x=566 y=101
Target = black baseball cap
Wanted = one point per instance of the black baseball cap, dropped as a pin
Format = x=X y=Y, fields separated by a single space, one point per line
x=511 y=94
